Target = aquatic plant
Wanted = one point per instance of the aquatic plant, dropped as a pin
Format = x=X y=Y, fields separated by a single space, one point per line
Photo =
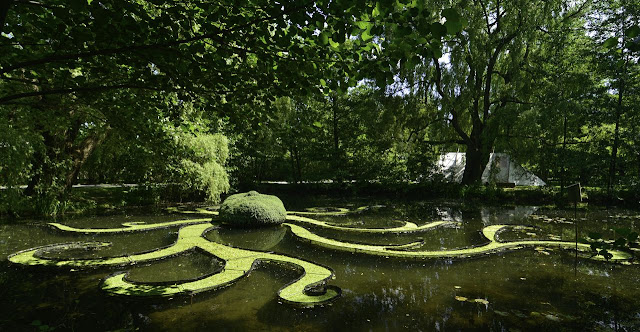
x=307 y=290
x=626 y=240
x=490 y=232
x=408 y=227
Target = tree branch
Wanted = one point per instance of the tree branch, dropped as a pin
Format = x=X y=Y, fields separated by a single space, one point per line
x=452 y=110
x=490 y=70
x=486 y=17
x=578 y=11
x=450 y=141
x=5 y=99
x=4 y=10
x=133 y=48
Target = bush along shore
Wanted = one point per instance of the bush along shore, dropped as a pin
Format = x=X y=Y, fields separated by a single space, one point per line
x=155 y=198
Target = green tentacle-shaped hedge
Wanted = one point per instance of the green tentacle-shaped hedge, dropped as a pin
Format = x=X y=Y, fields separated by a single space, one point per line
x=296 y=216
x=306 y=290
x=490 y=232
x=408 y=227
x=317 y=211
x=196 y=211
x=130 y=226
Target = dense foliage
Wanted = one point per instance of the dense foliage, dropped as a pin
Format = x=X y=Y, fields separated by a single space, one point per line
x=553 y=83
x=209 y=96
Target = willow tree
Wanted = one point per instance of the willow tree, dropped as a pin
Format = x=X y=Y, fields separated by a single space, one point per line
x=480 y=81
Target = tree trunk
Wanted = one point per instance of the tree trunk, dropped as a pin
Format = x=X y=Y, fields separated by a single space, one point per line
x=475 y=163
x=616 y=142
x=299 y=167
x=80 y=156
x=4 y=10
x=293 y=165
x=336 y=140
x=479 y=145
x=563 y=170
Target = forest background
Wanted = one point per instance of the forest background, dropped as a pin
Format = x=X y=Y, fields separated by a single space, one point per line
x=190 y=100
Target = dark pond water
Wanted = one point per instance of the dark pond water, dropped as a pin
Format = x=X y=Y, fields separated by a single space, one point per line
x=526 y=289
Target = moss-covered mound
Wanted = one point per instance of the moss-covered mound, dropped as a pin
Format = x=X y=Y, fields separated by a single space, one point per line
x=252 y=209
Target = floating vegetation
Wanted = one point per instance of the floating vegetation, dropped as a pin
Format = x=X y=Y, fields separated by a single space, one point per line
x=307 y=290
x=549 y=220
x=334 y=211
x=466 y=299
x=196 y=211
x=408 y=227
x=501 y=313
x=490 y=232
x=296 y=216
x=327 y=211
x=130 y=226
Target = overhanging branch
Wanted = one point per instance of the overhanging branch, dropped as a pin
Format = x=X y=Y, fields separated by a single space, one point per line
x=4 y=10
x=6 y=99
x=450 y=141
x=133 y=48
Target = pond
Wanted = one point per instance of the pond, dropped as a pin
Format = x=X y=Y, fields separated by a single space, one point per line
x=521 y=288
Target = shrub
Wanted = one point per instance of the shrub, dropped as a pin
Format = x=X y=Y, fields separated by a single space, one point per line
x=252 y=209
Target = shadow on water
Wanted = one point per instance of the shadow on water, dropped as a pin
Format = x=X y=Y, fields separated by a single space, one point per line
x=528 y=289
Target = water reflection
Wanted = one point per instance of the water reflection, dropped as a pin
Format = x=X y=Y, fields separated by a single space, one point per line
x=523 y=290
x=263 y=239
x=488 y=215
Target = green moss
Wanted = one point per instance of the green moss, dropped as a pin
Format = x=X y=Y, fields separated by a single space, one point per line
x=196 y=211
x=252 y=209
x=320 y=211
x=130 y=226
x=238 y=263
x=408 y=227
x=490 y=232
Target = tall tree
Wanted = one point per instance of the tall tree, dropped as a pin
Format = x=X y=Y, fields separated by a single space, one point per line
x=481 y=82
x=75 y=71
x=614 y=24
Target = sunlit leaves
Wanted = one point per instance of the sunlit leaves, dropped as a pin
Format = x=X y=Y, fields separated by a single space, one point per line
x=633 y=31
x=610 y=43
x=324 y=38
x=454 y=22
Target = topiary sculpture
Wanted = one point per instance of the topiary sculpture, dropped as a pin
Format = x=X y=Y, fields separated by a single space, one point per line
x=252 y=209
